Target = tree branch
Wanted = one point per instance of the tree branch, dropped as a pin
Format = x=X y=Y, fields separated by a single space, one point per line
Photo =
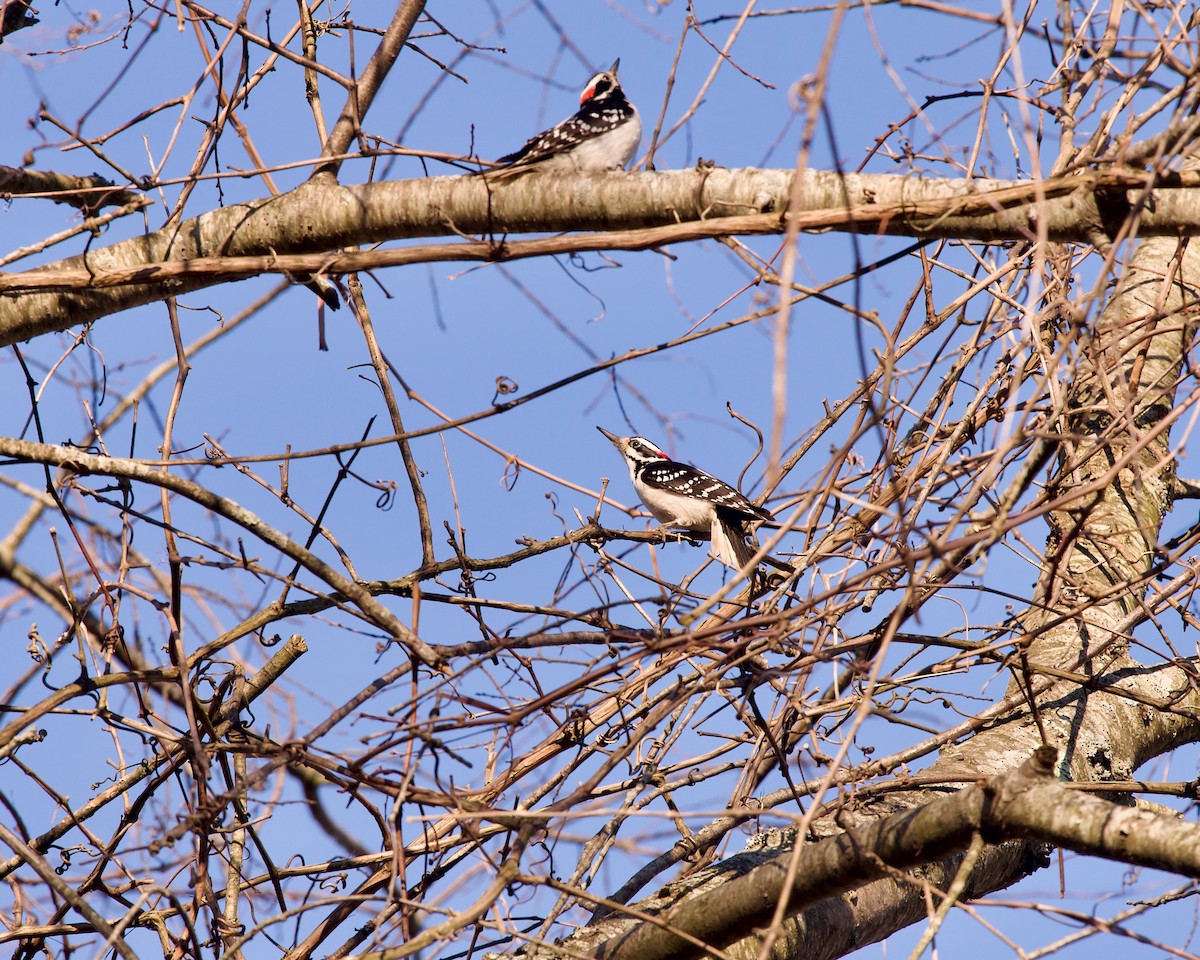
x=362 y=94
x=89 y=193
x=1076 y=207
x=1024 y=804
x=82 y=463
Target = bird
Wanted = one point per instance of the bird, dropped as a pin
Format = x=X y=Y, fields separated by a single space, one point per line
x=602 y=135
x=325 y=289
x=690 y=499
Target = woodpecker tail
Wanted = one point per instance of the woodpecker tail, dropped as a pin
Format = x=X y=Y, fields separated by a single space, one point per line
x=729 y=542
x=325 y=289
x=505 y=173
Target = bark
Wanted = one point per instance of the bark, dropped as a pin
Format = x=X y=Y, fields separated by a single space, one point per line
x=1023 y=803
x=90 y=194
x=323 y=216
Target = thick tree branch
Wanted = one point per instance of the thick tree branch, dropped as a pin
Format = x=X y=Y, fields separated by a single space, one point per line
x=90 y=194
x=1088 y=207
x=225 y=269
x=1024 y=804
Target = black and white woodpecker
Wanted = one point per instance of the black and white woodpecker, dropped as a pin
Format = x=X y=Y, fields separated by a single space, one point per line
x=602 y=135
x=689 y=499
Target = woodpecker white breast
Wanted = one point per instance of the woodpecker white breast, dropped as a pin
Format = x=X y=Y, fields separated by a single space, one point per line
x=690 y=499
x=603 y=135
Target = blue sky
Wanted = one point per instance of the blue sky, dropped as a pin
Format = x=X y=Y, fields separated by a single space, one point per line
x=453 y=330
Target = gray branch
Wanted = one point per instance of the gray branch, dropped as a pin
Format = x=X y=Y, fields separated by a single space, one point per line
x=321 y=216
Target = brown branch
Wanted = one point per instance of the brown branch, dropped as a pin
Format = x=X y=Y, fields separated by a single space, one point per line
x=1062 y=208
x=1024 y=804
x=362 y=94
x=228 y=712
x=89 y=193
x=85 y=463
x=225 y=269
x=383 y=378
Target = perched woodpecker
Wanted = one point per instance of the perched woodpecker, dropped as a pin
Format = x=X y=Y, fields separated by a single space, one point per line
x=689 y=499
x=603 y=134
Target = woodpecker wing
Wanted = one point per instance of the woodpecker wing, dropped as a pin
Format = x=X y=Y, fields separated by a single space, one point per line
x=690 y=499
x=594 y=118
x=696 y=485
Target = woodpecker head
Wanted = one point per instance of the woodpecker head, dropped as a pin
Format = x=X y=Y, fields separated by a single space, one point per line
x=602 y=85
x=635 y=450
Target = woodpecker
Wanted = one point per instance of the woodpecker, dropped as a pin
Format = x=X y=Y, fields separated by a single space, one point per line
x=602 y=135
x=689 y=499
x=325 y=289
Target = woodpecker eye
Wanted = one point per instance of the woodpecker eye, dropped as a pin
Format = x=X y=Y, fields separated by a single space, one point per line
x=601 y=86
x=645 y=449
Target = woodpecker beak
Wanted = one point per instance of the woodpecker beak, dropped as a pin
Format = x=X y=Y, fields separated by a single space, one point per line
x=612 y=437
x=613 y=68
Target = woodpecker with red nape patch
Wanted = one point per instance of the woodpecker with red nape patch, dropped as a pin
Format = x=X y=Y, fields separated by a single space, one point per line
x=603 y=135
x=689 y=499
